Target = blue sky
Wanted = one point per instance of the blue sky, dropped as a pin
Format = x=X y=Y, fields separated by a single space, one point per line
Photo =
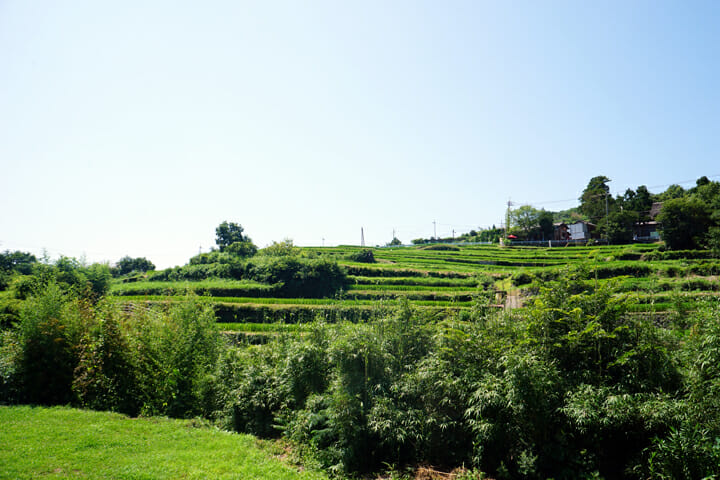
x=135 y=128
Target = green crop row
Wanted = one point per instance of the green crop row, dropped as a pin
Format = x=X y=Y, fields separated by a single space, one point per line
x=410 y=288
x=409 y=295
x=214 y=287
x=291 y=314
x=419 y=281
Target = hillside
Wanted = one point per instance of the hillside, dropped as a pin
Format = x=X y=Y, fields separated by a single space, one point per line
x=447 y=282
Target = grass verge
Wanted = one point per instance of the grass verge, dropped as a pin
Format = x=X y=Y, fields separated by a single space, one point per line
x=62 y=442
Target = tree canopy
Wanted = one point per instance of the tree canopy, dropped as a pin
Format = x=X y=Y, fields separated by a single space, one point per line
x=532 y=223
x=228 y=233
x=128 y=264
x=594 y=197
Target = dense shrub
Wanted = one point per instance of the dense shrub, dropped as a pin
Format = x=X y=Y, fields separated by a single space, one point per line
x=362 y=256
x=50 y=328
x=299 y=277
x=175 y=351
x=521 y=278
x=241 y=249
x=65 y=350
x=706 y=268
x=281 y=249
x=573 y=386
x=105 y=377
x=450 y=248
x=294 y=276
x=10 y=354
x=87 y=281
x=16 y=262
x=128 y=265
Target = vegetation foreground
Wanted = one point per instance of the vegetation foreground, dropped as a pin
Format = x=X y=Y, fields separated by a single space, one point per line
x=575 y=385
x=604 y=363
x=62 y=442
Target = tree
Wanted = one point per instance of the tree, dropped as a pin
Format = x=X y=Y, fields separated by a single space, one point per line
x=18 y=261
x=242 y=249
x=545 y=221
x=640 y=202
x=685 y=223
x=532 y=223
x=395 y=241
x=228 y=233
x=280 y=249
x=618 y=226
x=596 y=199
x=525 y=218
x=673 y=191
x=128 y=264
x=713 y=240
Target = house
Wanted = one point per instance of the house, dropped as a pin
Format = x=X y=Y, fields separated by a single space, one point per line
x=560 y=232
x=648 y=231
x=582 y=230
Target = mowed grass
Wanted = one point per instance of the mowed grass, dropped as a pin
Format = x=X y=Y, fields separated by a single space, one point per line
x=61 y=442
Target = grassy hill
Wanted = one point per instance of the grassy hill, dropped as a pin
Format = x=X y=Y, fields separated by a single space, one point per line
x=449 y=281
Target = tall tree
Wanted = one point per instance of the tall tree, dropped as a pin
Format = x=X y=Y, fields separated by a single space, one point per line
x=228 y=233
x=673 y=191
x=596 y=200
x=545 y=221
x=618 y=227
x=685 y=222
x=532 y=223
x=525 y=218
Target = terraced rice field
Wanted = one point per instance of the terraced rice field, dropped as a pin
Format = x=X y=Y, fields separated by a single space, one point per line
x=447 y=282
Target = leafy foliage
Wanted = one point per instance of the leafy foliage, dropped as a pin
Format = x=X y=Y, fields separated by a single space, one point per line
x=574 y=385
x=66 y=350
x=595 y=197
x=685 y=222
x=228 y=233
x=18 y=261
x=128 y=265
x=242 y=249
x=279 y=249
x=363 y=256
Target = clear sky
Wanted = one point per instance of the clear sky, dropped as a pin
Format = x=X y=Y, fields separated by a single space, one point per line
x=136 y=127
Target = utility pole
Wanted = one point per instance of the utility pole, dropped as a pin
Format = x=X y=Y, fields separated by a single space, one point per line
x=434 y=230
x=323 y=240
x=362 y=237
x=507 y=220
x=606 y=212
x=453 y=234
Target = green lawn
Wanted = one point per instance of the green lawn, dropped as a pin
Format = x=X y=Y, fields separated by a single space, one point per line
x=62 y=442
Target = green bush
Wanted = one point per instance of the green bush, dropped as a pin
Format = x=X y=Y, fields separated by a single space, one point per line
x=686 y=453
x=50 y=328
x=105 y=377
x=128 y=265
x=10 y=354
x=449 y=248
x=175 y=351
x=242 y=249
x=521 y=278
x=299 y=277
x=362 y=256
